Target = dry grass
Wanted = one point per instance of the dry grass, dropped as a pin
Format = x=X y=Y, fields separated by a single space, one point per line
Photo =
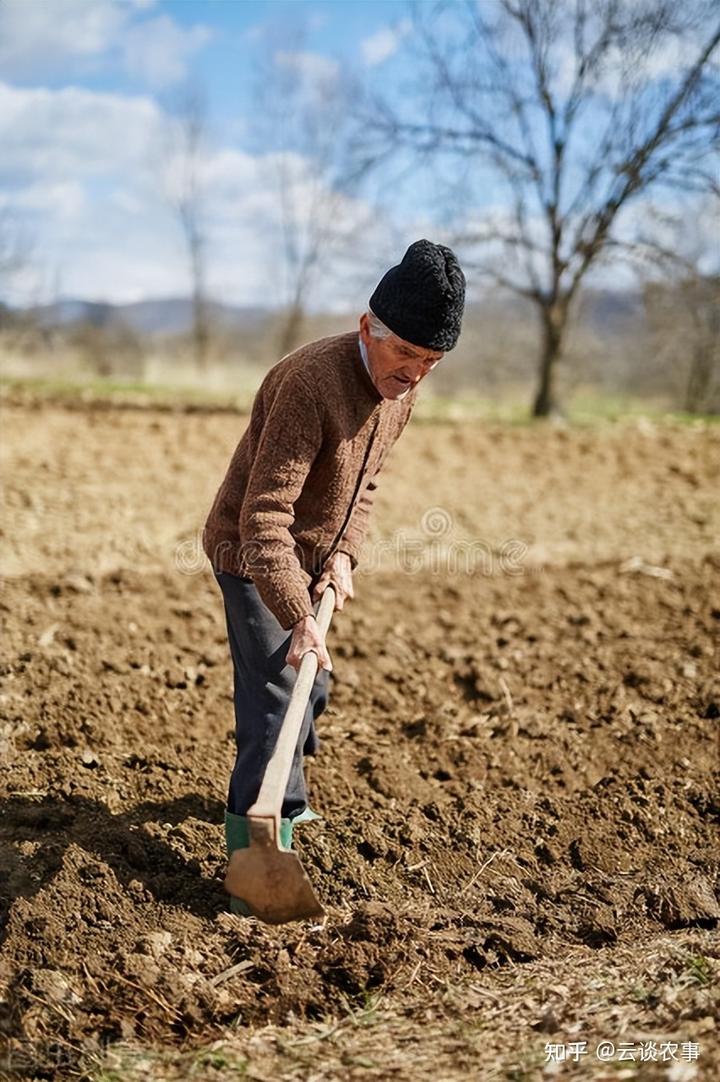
x=585 y=407
x=496 y=1027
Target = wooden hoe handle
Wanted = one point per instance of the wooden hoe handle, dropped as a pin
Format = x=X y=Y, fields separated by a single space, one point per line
x=272 y=791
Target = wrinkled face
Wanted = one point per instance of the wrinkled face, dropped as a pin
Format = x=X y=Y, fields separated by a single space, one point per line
x=396 y=365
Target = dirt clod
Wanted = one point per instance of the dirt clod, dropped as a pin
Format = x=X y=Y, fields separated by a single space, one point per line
x=513 y=768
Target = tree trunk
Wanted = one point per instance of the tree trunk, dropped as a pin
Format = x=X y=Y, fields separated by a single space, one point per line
x=200 y=325
x=291 y=329
x=200 y=333
x=703 y=347
x=699 y=378
x=553 y=329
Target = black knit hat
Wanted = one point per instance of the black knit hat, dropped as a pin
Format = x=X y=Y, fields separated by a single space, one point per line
x=422 y=298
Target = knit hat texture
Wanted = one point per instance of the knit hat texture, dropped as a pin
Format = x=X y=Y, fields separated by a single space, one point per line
x=422 y=298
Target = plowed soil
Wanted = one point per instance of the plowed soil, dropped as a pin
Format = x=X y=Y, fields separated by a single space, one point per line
x=519 y=772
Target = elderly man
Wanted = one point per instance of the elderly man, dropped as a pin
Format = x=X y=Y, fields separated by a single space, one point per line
x=292 y=511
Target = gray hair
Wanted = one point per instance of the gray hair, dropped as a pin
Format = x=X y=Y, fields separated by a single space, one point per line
x=377 y=327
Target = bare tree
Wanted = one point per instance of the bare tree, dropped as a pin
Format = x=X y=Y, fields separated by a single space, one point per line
x=301 y=126
x=186 y=149
x=577 y=109
x=678 y=261
x=15 y=246
x=15 y=253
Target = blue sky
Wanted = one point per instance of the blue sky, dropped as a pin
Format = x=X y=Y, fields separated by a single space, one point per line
x=84 y=88
x=220 y=38
x=87 y=164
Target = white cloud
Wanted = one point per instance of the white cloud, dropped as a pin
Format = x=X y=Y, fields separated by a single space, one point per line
x=311 y=66
x=157 y=50
x=32 y=38
x=73 y=133
x=70 y=158
x=76 y=37
x=384 y=43
x=65 y=199
x=84 y=173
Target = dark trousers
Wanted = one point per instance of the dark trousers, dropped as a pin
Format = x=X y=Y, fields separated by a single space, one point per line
x=263 y=685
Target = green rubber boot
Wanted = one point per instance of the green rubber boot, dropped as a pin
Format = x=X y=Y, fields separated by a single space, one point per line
x=237 y=836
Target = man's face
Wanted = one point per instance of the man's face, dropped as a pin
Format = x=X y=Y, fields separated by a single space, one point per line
x=396 y=365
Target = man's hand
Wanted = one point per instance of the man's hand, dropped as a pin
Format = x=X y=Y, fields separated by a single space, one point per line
x=306 y=636
x=338 y=571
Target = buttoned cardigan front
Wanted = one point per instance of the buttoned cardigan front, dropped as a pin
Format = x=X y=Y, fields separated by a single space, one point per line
x=300 y=484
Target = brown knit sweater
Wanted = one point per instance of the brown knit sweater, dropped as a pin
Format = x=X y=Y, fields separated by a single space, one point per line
x=300 y=486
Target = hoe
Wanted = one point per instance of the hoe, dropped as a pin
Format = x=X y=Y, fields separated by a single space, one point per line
x=270 y=879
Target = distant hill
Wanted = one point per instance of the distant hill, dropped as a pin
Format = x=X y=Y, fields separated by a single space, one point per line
x=172 y=315
x=603 y=311
x=611 y=311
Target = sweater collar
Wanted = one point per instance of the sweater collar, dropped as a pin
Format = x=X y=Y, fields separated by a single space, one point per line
x=364 y=355
x=364 y=370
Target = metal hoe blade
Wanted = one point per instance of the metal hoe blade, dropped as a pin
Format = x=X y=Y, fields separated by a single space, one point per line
x=271 y=880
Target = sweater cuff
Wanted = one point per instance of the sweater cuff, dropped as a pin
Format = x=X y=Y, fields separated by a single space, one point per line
x=290 y=609
x=287 y=603
x=350 y=551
